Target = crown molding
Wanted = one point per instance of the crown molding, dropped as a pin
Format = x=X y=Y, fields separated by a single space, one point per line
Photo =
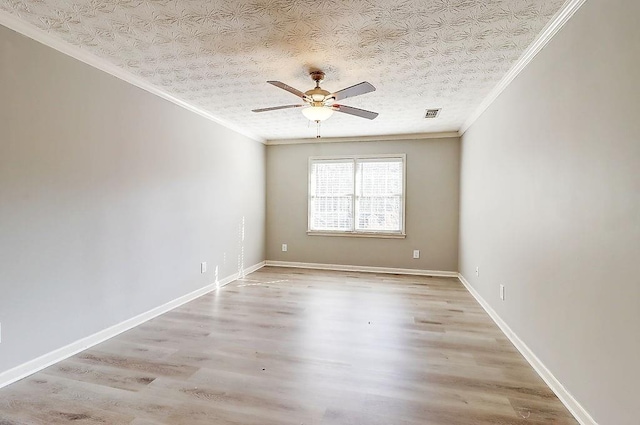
x=16 y=24
x=550 y=30
x=562 y=16
x=381 y=138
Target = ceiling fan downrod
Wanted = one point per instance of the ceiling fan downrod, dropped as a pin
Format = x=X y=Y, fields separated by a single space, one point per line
x=318 y=77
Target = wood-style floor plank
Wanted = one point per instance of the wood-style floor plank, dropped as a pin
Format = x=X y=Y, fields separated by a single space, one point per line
x=299 y=347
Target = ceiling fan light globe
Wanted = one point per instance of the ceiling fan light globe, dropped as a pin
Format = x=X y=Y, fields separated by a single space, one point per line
x=317 y=113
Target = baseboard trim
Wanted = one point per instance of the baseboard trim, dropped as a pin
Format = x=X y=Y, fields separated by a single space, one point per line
x=565 y=397
x=22 y=371
x=365 y=269
x=381 y=138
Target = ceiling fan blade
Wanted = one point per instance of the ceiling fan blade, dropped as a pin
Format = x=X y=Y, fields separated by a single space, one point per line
x=355 y=111
x=275 y=108
x=358 y=89
x=288 y=88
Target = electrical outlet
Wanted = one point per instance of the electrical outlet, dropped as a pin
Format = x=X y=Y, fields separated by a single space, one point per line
x=203 y=267
x=478 y=271
x=416 y=253
x=284 y=247
x=502 y=292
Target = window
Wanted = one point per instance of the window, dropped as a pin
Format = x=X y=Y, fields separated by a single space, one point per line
x=357 y=195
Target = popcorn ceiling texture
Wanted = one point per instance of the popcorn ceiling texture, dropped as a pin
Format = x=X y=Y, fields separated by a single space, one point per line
x=217 y=55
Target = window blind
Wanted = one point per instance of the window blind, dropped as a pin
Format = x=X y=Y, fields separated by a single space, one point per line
x=356 y=195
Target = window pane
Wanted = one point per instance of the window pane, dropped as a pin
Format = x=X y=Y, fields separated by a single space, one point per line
x=378 y=213
x=332 y=213
x=331 y=200
x=380 y=178
x=380 y=195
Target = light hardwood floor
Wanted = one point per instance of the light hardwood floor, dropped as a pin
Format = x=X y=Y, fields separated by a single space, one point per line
x=299 y=347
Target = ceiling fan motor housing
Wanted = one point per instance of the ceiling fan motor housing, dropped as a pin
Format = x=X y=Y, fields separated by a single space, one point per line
x=317 y=96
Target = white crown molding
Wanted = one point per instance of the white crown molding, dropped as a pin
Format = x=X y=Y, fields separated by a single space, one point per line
x=14 y=23
x=382 y=138
x=549 y=31
x=22 y=371
x=365 y=269
x=576 y=409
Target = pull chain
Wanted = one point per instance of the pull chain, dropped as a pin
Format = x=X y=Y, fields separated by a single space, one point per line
x=318 y=129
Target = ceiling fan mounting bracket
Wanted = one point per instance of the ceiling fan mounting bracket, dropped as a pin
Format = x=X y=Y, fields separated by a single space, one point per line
x=317 y=76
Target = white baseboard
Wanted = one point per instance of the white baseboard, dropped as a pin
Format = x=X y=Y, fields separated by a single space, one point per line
x=22 y=371
x=565 y=397
x=366 y=269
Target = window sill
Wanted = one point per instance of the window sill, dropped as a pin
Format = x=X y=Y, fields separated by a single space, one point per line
x=358 y=234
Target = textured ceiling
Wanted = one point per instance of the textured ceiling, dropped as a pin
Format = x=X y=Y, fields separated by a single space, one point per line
x=217 y=55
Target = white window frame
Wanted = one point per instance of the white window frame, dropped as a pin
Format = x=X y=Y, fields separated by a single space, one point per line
x=353 y=232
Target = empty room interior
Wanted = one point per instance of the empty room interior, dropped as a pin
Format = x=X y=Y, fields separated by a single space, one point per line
x=360 y=212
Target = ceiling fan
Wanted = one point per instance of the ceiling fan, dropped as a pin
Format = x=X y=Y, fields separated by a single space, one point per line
x=319 y=104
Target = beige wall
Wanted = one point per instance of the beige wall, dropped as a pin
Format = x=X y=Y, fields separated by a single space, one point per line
x=550 y=207
x=110 y=198
x=431 y=207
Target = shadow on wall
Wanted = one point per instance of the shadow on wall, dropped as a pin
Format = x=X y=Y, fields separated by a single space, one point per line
x=241 y=251
x=241 y=266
